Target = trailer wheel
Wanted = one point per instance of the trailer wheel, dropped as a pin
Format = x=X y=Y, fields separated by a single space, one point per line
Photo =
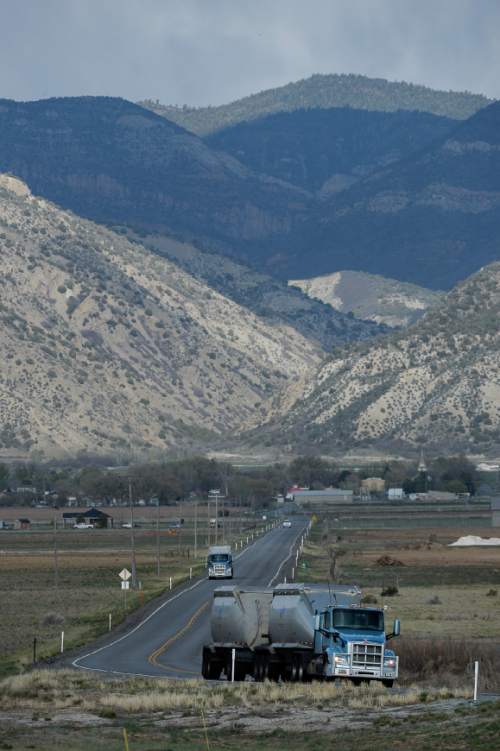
x=210 y=667
x=388 y=683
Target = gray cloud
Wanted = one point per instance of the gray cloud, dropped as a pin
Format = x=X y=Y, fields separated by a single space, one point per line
x=213 y=51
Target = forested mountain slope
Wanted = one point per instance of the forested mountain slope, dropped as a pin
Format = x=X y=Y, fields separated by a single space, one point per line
x=328 y=150
x=326 y=91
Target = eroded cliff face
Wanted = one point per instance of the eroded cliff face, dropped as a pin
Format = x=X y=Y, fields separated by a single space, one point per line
x=108 y=347
x=371 y=297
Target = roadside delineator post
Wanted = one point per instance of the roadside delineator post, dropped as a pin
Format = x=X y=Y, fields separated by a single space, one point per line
x=476 y=678
x=190 y=572
x=62 y=642
x=109 y=622
x=170 y=582
x=233 y=660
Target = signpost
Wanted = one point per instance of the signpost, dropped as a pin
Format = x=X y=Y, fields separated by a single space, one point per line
x=125 y=583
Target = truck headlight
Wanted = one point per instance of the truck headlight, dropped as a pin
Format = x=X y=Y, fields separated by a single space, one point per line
x=340 y=660
x=390 y=662
x=211 y=570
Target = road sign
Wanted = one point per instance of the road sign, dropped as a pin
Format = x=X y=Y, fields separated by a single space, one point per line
x=125 y=585
x=125 y=574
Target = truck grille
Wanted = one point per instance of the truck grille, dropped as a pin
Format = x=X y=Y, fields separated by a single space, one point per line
x=367 y=655
x=219 y=570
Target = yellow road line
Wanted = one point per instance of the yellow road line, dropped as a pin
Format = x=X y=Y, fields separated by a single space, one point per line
x=153 y=657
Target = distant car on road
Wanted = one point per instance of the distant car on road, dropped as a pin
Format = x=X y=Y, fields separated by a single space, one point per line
x=83 y=525
x=126 y=525
x=287 y=523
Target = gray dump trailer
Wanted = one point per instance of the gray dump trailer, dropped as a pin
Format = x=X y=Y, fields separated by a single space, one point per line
x=298 y=632
x=238 y=620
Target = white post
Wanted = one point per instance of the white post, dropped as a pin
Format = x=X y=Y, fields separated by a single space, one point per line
x=285 y=580
x=190 y=572
x=233 y=660
x=476 y=678
x=62 y=642
x=293 y=574
x=170 y=582
x=109 y=622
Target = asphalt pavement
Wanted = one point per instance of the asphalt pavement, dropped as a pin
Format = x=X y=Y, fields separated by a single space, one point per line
x=169 y=641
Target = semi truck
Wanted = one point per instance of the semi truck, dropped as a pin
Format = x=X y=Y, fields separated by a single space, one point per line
x=298 y=632
x=220 y=562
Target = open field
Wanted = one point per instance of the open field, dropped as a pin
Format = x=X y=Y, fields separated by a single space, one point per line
x=50 y=709
x=70 y=582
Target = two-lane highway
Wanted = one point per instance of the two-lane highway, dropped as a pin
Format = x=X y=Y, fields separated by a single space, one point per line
x=169 y=641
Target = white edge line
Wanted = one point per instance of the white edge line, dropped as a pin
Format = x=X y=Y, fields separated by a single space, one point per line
x=160 y=607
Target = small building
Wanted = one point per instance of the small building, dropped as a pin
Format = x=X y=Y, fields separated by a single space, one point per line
x=22 y=524
x=329 y=496
x=93 y=516
x=373 y=485
x=395 y=494
x=495 y=512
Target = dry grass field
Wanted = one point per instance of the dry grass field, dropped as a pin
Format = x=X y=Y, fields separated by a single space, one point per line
x=77 y=710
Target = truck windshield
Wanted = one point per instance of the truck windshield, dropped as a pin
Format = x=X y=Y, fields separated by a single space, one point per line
x=359 y=619
x=218 y=558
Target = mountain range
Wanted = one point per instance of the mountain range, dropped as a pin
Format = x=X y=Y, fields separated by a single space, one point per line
x=409 y=195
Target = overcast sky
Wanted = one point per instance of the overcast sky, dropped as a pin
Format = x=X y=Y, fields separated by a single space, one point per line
x=213 y=51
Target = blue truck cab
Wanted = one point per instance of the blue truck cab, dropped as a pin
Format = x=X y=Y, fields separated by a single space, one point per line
x=353 y=643
x=220 y=562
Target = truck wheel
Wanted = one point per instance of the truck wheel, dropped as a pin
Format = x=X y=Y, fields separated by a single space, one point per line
x=210 y=668
x=388 y=684
x=240 y=672
x=356 y=681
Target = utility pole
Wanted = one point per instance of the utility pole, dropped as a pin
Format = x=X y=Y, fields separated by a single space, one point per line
x=196 y=529
x=56 y=554
x=216 y=518
x=132 y=536
x=158 y=539
x=208 y=523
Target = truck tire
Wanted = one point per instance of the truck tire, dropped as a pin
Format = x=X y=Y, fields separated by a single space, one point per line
x=211 y=668
x=388 y=683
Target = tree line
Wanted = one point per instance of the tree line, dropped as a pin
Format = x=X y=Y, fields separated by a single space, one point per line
x=183 y=479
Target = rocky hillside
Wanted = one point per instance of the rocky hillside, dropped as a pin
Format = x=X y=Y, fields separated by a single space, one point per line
x=114 y=162
x=107 y=347
x=371 y=297
x=328 y=150
x=269 y=298
x=325 y=91
x=436 y=383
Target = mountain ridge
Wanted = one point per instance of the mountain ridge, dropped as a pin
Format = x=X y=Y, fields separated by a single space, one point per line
x=324 y=90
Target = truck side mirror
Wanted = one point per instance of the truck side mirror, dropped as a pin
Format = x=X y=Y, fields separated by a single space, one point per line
x=316 y=622
x=396 y=628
